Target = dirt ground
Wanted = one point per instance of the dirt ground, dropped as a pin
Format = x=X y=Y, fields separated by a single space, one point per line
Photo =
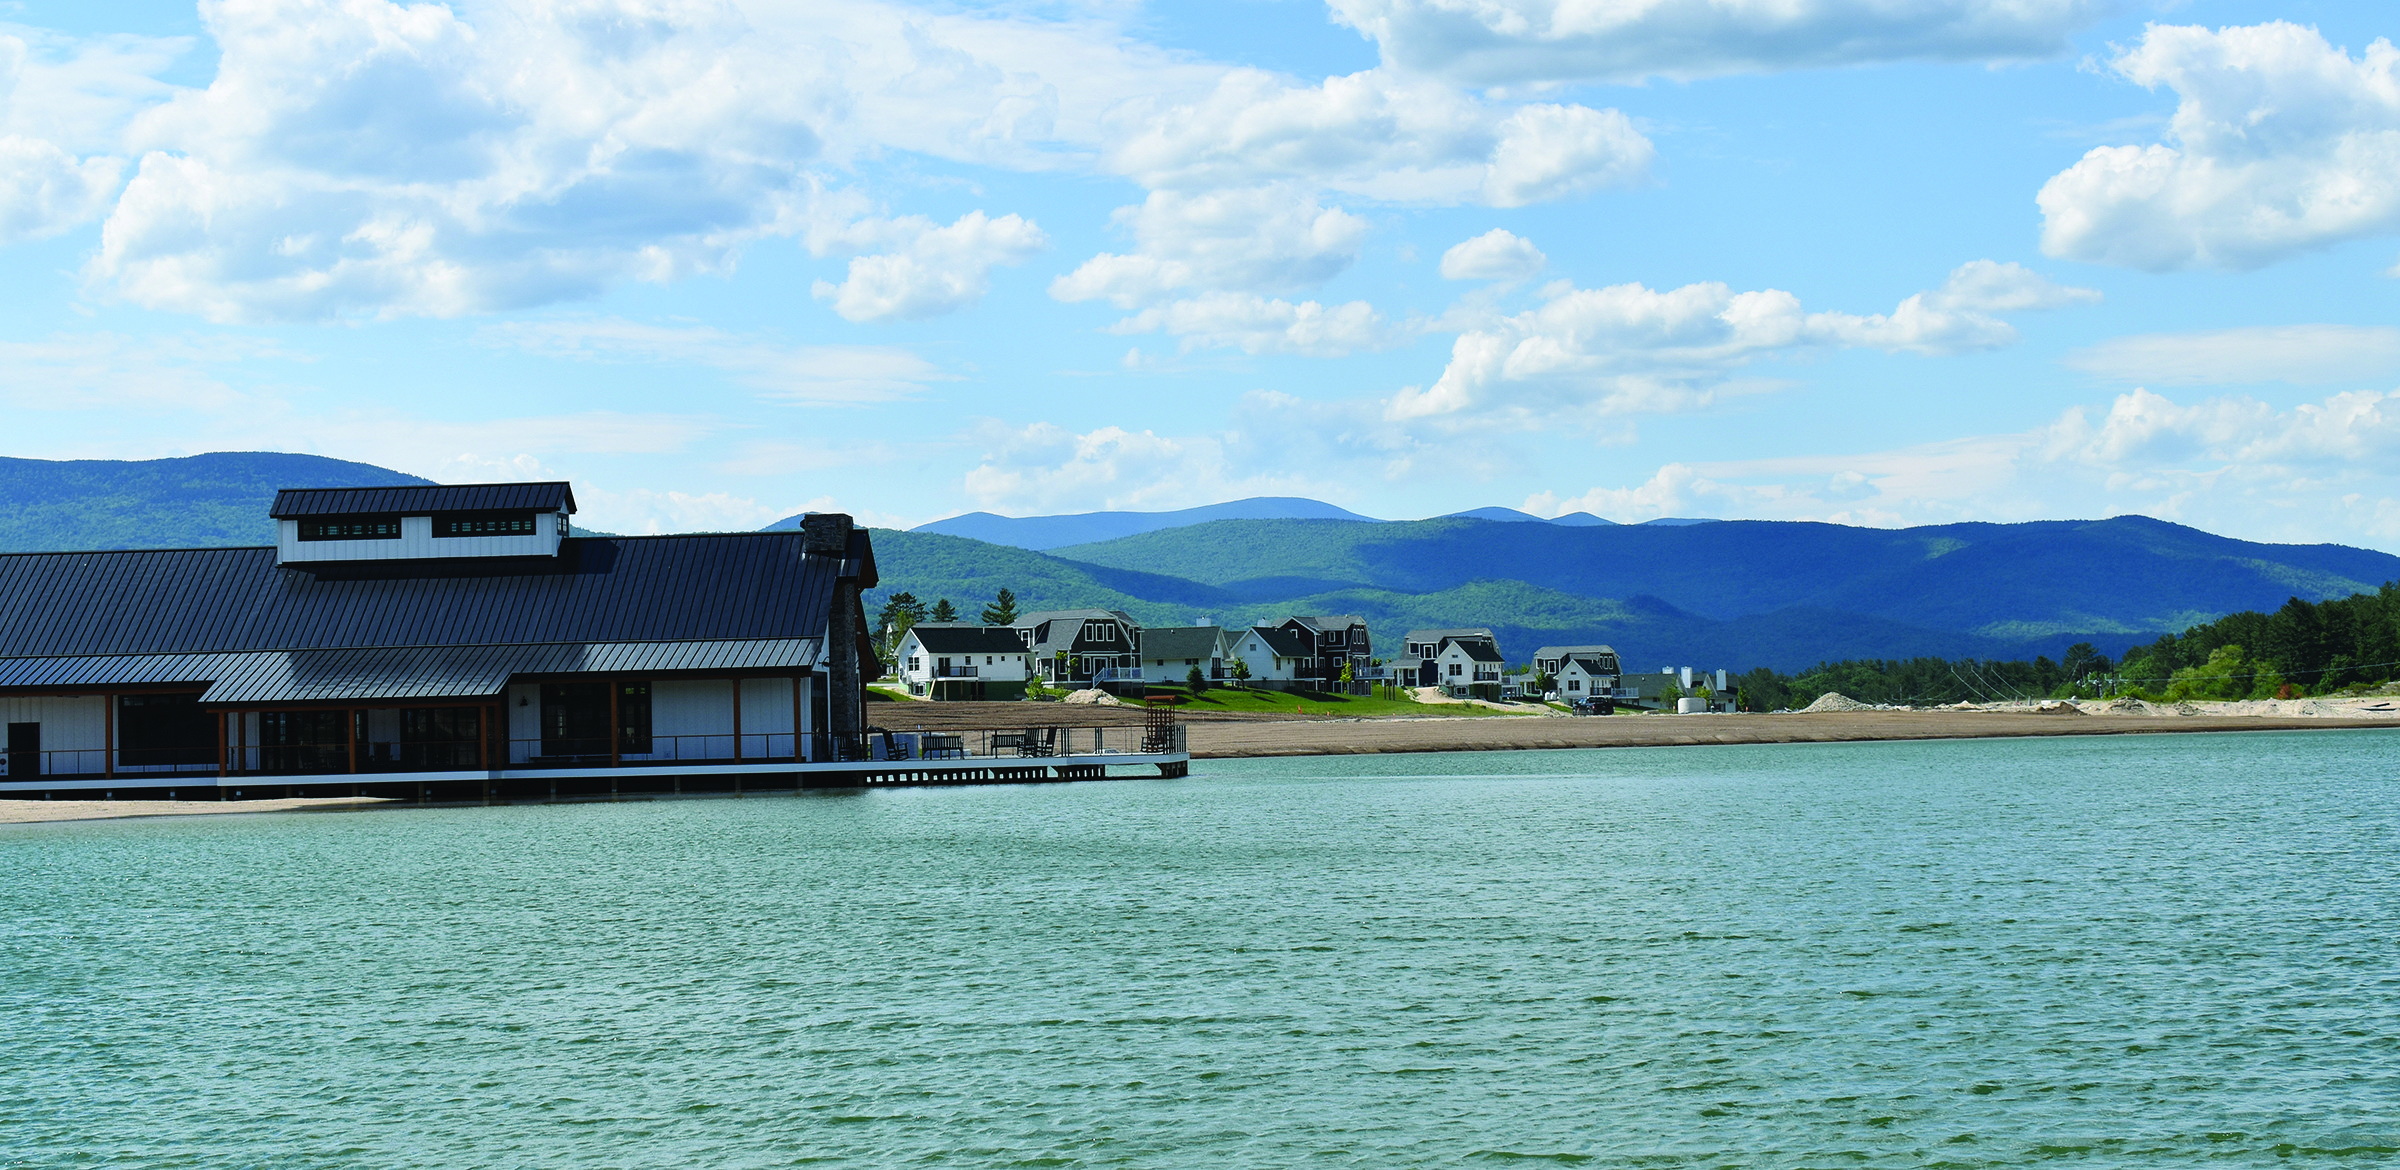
x=1289 y=737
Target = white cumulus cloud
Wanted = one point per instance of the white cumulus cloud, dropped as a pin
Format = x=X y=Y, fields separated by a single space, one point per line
x=1500 y=42
x=1261 y=239
x=1384 y=136
x=2318 y=471
x=2280 y=143
x=934 y=270
x=1632 y=349
x=1498 y=254
x=45 y=190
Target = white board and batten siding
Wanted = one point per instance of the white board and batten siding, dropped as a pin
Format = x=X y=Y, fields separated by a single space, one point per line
x=70 y=724
x=690 y=719
x=417 y=542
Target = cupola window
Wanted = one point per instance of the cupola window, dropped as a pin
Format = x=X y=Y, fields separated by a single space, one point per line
x=351 y=528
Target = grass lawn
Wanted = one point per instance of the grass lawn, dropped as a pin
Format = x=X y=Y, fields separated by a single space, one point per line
x=1312 y=703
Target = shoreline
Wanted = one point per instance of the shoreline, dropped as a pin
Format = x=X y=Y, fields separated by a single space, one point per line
x=1282 y=738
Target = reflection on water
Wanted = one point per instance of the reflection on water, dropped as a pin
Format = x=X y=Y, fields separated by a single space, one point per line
x=2158 y=951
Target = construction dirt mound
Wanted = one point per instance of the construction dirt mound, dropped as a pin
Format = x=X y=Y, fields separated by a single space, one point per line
x=1834 y=701
x=1094 y=697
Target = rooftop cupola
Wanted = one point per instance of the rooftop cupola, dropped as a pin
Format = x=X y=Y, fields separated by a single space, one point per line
x=421 y=523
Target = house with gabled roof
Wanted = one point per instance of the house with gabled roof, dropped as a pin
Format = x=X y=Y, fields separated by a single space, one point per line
x=1469 y=668
x=1171 y=653
x=1080 y=649
x=1336 y=643
x=1419 y=665
x=963 y=660
x=1588 y=675
x=1273 y=656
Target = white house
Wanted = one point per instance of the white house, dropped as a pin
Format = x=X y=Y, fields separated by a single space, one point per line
x=961 y=660
x=1469 y=668
x=1580 y=678
x=1274 y=656
x=1171 y=653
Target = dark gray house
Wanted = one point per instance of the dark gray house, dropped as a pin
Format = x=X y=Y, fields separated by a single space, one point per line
x=1084 y=648
x=1332 y=643
x=437 y=634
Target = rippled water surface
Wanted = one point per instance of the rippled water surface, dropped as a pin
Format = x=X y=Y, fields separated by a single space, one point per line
x=2150 y=951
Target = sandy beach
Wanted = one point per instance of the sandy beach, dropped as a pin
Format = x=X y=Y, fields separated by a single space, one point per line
x=24 y=812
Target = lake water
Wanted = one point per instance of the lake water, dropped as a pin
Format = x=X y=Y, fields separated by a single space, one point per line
x=2156 y=951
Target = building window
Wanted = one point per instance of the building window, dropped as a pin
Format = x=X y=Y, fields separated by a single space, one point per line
x=575 y=719
x=1574 y=684
x=1335 y=637
x=1456 y=669
x=164 y=729
x=483 y=524
x=351 y=528
x=441 y=737
x=1099 y=632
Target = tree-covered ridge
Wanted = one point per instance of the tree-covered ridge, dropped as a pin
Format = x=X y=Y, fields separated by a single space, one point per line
x=200 y=501
x=2303 y=648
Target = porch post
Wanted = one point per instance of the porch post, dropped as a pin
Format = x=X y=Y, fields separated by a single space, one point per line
x=350 y=735
x=737 y=720
x=799 y=753
x=223 y=734
x=108 y=734
x=616 y=732
x=483 y=740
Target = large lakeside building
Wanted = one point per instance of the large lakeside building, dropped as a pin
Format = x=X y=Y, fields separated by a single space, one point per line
x=455 y=633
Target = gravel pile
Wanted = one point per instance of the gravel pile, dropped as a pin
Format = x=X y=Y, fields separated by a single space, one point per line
x=1835 y=701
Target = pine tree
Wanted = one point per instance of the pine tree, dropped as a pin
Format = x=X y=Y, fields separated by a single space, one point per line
x=901 y=612
x=944 y=612
x=1002 y=611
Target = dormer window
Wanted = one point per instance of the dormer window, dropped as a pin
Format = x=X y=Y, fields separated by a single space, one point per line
x=483 y=524
x=351 y=528
x=1099 y=632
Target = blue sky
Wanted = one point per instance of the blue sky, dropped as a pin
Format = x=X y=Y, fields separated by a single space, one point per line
x=1881 y=262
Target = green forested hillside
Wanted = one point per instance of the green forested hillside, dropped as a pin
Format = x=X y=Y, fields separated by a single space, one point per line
x=195 y=502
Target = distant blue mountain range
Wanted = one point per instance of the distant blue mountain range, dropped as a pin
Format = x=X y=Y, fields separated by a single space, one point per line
x=1042 y=532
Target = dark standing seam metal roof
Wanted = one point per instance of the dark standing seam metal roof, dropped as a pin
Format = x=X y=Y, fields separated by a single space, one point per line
x=627 y=589
x=1284 y=642
x=961 y=638
x=291 y=503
